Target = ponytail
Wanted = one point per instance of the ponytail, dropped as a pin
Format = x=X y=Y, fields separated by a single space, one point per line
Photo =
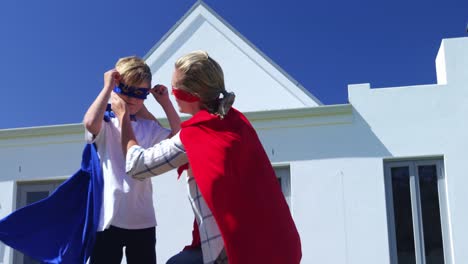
x=225 y=103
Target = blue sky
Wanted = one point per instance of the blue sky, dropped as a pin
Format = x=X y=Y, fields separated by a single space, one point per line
x=53 y=53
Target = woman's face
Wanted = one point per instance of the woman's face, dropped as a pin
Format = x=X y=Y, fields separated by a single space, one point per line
x=184 y=106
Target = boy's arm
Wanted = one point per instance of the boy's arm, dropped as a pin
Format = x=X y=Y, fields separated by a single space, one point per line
x=93 y=118
x=161 y=95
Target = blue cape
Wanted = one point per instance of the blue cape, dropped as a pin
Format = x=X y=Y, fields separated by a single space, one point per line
x=62 y=227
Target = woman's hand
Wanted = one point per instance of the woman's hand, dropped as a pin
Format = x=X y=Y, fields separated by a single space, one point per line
x=120 y=109
x=119 y=106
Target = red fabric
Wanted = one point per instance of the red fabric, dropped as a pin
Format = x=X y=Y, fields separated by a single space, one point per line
x=195 y=237
x=181 y=169
x=184 y=96
x=239 y=185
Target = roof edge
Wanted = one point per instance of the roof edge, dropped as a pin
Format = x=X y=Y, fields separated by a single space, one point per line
x=238 y=34
x=41 y=131
x=172 y=29
x=257 y=116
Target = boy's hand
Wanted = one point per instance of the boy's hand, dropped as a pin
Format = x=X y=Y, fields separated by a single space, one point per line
x=160 y=93
x=111 y=79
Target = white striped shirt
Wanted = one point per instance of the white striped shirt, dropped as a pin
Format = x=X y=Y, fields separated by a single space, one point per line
x=210 y=237
x=167 y=155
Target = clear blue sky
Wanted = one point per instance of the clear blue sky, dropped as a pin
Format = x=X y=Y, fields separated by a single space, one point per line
x=53 y=53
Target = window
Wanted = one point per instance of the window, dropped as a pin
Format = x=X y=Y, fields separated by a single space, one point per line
x=283 y=173
x=29 y=193
x=417 y=212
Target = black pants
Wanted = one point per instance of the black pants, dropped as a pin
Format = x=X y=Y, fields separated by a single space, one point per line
x=139 y=246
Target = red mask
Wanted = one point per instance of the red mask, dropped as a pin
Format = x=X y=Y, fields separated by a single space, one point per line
x=184 y=96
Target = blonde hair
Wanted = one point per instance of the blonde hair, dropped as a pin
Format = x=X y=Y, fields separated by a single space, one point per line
x=202 y=76
x=133 y=70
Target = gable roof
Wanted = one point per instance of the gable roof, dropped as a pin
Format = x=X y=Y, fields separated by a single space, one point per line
x=259 y=84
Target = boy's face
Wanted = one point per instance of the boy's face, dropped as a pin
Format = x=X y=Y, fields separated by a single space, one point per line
x=134 y=104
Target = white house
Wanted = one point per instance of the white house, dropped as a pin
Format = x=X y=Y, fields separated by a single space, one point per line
x=378 y=180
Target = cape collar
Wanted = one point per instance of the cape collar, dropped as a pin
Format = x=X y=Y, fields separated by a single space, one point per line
x=200 y=117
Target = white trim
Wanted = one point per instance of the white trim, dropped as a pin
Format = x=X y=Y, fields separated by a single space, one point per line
x=41 y=131
x=418 y=228
x=283 y=172
x=298 y=117
x=443 y=205
x=390 y=215
x=446 y=218
x=328 y=114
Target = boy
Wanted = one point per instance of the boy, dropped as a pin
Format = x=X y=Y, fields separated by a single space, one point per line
x=127 y=214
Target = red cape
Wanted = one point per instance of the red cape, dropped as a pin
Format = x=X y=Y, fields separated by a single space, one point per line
x=239 y=185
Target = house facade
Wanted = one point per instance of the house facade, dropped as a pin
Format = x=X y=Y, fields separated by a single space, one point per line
x=378 y=180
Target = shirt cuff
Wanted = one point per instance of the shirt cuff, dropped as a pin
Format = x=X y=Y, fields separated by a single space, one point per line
x=132 y=157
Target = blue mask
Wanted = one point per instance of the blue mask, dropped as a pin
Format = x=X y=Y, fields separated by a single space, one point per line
x=135 y=92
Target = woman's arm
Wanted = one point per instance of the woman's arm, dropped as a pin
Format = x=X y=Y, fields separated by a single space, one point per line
x=167 y=155
x=121 y=111
x=143 y=163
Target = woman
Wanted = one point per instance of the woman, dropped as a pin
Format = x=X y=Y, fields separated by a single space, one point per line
x=241 y=214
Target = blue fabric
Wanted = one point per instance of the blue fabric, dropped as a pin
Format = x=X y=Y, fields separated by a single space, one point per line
x=110 y=114
x=62 y=227
x=135 y=92
x=188 y=256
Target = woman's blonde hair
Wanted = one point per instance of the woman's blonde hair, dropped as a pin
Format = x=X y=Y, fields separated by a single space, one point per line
x=133 y=71
x=202 y=76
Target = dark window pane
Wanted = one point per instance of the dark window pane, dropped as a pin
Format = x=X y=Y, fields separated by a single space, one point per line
x=282 y=175
x=429 y=191
x=28 y=260
x=403 y=215
x=32 y=197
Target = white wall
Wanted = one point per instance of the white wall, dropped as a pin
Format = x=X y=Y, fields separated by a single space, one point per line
x=31 y=154
x=336 y=155
x=7 y=205
x=258 y=83
x=429 y=120
x=35 y=153
x=338 y=198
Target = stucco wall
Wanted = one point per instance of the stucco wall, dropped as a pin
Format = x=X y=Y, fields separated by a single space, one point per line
x=336 y=156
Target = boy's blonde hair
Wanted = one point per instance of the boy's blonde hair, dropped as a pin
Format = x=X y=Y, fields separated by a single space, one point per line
x=203 y=77
x=133 y=71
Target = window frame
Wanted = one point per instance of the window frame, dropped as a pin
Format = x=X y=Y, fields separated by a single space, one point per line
x=25 y=187
x=415 y=195
x=285 y=182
